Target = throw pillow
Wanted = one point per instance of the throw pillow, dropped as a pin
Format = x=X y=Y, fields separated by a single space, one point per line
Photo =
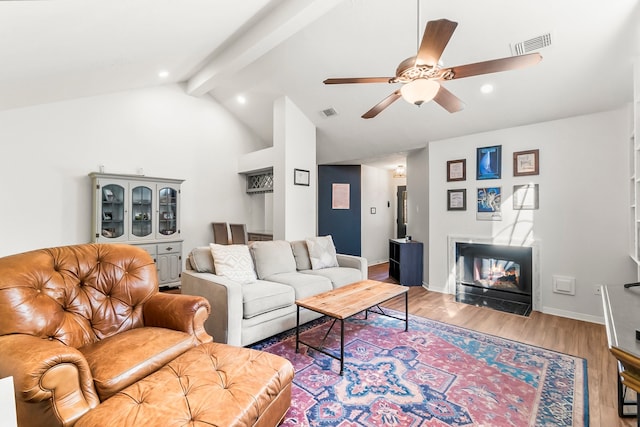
x=273 y=257
x=234 y=262
x=301 y=254
x=201 y=260
x=322 y=252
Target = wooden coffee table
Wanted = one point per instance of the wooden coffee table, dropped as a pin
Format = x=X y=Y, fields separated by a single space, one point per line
x=344 y=302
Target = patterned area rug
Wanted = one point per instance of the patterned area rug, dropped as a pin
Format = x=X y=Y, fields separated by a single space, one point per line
x=433 y=375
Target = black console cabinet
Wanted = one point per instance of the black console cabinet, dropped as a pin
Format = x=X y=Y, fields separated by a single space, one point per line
x=405 y=261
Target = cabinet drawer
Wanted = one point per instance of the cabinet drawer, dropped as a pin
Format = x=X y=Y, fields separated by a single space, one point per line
x=171 y=247
x=151 y=249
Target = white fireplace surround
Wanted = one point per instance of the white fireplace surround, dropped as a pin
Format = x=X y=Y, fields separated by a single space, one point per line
x=535 y=265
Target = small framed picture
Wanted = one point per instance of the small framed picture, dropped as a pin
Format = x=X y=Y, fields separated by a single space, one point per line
x=489 y=202
x=525 y=196
x=526 y=163
x=301 y=177
x=457 y=200
x=457 y=170
x=340 y=196
x=489 y=162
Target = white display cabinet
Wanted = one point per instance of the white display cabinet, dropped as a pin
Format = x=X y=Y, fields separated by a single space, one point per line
x=142 y=211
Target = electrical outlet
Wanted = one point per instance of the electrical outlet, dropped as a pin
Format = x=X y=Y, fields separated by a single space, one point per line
x=596 y=290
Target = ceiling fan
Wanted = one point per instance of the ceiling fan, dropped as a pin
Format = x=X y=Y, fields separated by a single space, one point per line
x=421 y=75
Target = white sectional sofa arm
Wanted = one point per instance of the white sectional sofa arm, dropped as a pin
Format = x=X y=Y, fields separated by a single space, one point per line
x=225 y=297
x=356 y=262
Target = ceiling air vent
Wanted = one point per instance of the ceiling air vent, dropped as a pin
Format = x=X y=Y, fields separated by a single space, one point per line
x=531 y=45
x=330 y=112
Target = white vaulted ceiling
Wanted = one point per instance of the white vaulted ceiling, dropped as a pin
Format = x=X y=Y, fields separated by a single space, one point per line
x=265 y=49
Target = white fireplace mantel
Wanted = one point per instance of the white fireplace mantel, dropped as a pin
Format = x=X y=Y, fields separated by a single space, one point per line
x=535 y=264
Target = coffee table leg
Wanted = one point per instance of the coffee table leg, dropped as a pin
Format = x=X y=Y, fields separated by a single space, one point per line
x=341 y=346
x=297 y=328
x=406 y=311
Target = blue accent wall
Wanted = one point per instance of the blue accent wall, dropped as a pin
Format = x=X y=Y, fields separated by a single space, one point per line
x=344 y=225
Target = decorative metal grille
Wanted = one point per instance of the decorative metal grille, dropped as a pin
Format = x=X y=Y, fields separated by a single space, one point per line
x=260 y=183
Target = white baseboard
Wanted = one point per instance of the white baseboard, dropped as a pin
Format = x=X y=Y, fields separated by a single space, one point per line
x=546 y=310
x=573 y=315
x=441 y=290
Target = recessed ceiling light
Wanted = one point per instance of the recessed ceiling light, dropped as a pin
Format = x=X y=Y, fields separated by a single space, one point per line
x=241 y=99
x=163 y=74
x=486 y=88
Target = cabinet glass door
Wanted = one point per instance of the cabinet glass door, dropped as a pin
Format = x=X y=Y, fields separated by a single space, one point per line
x=167 y=211
x=141 y=211
x=112 y=211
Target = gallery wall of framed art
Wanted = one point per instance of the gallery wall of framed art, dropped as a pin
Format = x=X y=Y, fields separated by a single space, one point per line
x=489 y=198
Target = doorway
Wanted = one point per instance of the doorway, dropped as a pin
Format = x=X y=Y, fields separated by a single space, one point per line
x=401 y=203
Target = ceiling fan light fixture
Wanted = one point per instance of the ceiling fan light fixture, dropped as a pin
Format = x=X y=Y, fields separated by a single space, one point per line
x=400 y=172
x=420 y=91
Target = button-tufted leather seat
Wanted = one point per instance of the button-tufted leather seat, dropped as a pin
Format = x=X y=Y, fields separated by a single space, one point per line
x=80 y=323
x=210 y=385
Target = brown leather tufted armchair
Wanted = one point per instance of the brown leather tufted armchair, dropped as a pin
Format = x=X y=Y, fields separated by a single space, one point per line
x=80 y=323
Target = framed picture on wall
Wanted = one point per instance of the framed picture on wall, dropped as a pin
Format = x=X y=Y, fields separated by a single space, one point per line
x=489 y=162
x=526 y=163
x=489 y=202
x=525 y=196
x=457 y=200
x=457 y=170
x=340 y=194
x=300 y=177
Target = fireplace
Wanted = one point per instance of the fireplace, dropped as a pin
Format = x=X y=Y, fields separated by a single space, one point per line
x=495 y=276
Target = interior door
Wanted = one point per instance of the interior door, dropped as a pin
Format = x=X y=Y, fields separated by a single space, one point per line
x=401 y=204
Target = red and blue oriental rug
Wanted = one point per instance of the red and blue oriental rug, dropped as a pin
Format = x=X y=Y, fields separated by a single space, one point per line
x=433 y=375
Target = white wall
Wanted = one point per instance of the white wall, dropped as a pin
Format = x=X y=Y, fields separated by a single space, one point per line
x=581 y=225
x=419 y=204
x=378 y=228
x=294 y=140
x=8 y=417
x=48 y=150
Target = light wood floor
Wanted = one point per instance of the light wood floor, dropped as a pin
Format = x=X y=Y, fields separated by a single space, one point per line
x=575 y=337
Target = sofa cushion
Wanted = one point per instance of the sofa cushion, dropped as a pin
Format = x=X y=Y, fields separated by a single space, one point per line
x=201 y=260
x=234 y=262
x=305 y=285
x=273 y=257
x=125 y=358
x=322 y=252
x=339 y=276
x=262 y=296
x=301 y=254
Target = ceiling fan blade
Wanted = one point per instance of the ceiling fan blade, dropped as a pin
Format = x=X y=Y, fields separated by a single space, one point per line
x=448 y=101
x=382 y=105
x=340 y=81
x=435 y=38
x=496 y=65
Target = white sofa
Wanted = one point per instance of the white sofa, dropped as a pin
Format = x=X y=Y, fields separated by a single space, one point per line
x=244 y=313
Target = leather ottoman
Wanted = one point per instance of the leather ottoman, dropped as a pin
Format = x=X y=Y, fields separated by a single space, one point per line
x=212 y=384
